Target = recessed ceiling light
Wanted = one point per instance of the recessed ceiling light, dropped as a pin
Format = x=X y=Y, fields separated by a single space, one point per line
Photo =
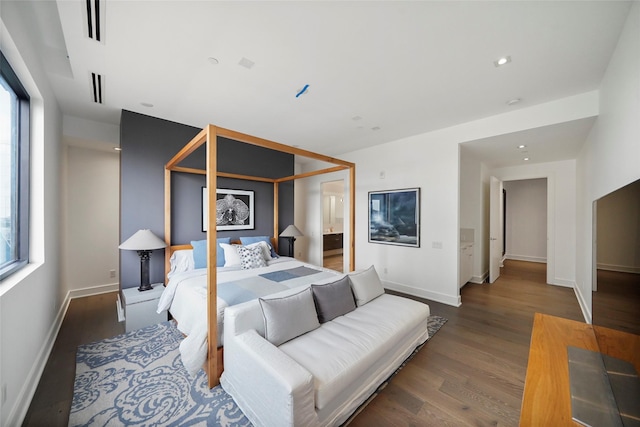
x=375 y=128
x=502 y=61
x=117 y=148
x=213 y=61
x=146 y=104
x=513 y=101
x=521 y=146
x=526 y=159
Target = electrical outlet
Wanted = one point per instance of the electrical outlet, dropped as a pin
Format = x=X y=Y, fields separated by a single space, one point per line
x=385 y=270
x=436 y=245
x=112 y=273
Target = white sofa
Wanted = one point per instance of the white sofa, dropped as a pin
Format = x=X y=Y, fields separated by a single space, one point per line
x=318 y=378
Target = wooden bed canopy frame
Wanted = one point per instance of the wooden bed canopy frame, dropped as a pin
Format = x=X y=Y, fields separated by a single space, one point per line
x=209 y=136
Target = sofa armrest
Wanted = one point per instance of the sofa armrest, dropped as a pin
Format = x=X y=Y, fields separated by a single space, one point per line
x=269 y=387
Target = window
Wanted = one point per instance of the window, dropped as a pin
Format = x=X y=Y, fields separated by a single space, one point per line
x=14 y=171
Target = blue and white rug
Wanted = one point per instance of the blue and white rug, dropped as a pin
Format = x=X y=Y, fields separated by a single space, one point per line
x=137 y=379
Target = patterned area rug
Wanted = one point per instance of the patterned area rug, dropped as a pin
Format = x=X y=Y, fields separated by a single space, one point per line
x=137 y=379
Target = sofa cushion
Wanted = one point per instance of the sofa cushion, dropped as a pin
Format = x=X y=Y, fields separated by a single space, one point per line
x=279 y=312
x=342 y=351
x=366 y=285
x=333 y=299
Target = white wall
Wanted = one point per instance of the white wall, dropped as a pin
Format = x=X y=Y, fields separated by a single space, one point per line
x=610 y=157
x=472 y=208
x=91 y=220
x=431 y=161
x=526 y=220
x=418 y=161
x=31 y=302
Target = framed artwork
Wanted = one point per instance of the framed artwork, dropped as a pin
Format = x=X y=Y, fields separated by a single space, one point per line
x=234 y=209
x=394 y=217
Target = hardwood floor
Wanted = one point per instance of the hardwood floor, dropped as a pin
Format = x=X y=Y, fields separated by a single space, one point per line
x=88 y=319
x=471 y=373
x=334 y=262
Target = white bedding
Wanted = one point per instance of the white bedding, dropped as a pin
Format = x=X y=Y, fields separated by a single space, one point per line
x=186 y=298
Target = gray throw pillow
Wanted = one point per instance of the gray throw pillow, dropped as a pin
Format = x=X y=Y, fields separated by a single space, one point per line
x=333 y=299
x=288 y=317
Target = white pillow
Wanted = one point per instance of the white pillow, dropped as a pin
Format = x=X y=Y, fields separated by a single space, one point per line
x=264 y=246
x=181 y=261
x=366 y=285
x=231 y=256
x=288 y=317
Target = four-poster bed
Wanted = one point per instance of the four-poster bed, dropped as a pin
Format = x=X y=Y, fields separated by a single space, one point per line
x=209 y=137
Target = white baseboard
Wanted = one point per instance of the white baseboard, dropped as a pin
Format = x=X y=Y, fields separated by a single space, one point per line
x=19 y=411
x=542 y=260
x=619 y=268
x=480 y=279
x=563 y=282
x=586 y=309
x=93 y=290
x=422 y=293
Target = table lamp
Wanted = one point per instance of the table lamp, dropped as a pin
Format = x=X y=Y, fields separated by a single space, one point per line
x=291 y=232
x=143 y=241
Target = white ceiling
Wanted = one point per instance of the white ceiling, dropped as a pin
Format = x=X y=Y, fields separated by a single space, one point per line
x=377 y=71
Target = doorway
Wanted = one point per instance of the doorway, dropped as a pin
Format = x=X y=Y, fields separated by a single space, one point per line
x=333 y=225
x=524 y=222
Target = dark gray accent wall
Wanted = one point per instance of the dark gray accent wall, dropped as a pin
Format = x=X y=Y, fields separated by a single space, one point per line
x=148 y=143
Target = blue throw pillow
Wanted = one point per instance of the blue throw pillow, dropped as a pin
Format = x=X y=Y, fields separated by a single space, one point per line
x=200 y=252
x=253 y=239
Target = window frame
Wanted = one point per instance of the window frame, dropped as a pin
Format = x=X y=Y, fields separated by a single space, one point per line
x=23 y=164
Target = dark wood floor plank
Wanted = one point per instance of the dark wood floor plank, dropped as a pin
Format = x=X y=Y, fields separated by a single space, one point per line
x=87 y=320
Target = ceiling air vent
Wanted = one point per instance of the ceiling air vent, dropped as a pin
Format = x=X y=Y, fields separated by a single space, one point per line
x=97 y=85
x=94 y=19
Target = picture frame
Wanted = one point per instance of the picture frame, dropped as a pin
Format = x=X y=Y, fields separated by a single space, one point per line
x=234 y=209
x=394 y=217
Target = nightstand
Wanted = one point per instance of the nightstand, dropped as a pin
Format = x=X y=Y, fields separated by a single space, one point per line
x=140 y=307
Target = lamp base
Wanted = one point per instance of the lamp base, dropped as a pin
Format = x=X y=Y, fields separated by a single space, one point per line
x=291 y=240
x=146 y=287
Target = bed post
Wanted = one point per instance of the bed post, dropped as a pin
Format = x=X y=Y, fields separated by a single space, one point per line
x=212 y=294
x=352 y=217
x=276 y=211
x=167 y=221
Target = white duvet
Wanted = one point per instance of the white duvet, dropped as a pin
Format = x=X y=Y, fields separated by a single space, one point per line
x=186 y=298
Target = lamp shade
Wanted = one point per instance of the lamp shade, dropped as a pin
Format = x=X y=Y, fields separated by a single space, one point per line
x=291 y=231
x=143 y=240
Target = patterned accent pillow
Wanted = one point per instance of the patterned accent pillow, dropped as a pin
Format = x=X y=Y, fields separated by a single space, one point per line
x=251 y=257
